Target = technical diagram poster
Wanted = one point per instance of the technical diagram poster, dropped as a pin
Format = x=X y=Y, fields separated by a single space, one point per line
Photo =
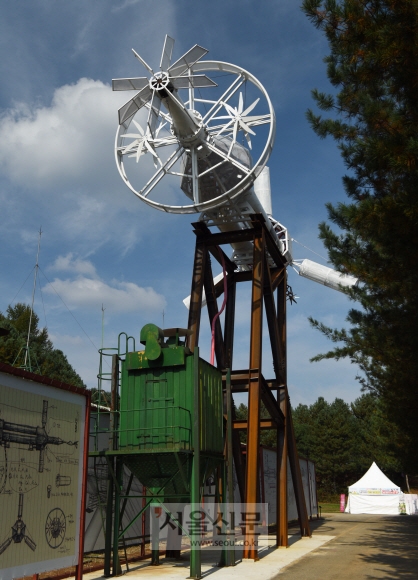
x=41 y=471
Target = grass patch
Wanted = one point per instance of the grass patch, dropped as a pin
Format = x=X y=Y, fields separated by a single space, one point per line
x=329 y=507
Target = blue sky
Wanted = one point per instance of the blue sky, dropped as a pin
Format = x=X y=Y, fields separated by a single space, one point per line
x=100 y=244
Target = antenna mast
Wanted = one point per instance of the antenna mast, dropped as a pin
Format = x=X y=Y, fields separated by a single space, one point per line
x=103 y=311
x=25 y=365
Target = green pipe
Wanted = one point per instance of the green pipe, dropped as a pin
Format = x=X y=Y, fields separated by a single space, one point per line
x=195 y=556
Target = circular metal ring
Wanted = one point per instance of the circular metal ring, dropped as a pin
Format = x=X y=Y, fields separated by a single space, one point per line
x=146 y=142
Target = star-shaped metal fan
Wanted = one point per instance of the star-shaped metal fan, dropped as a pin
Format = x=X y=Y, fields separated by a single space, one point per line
x=169 y=78
x=142 y=142
x=239 y=119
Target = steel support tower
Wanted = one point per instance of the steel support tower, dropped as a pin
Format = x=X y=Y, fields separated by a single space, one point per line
x=267 y=276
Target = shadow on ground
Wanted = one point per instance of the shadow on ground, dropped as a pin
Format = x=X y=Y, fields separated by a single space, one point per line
x=394 y=548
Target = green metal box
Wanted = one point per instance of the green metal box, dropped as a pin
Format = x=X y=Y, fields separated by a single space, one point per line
x=157 y=406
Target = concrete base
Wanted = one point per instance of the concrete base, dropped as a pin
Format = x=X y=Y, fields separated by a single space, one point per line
x=271 y=561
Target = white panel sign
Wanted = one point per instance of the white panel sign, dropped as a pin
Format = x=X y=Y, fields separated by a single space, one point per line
x=41 y=476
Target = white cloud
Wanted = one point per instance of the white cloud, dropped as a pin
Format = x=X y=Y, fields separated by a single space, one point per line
x=61 y=157
x=66 y=341
x=125 y=4
x=64 y=142
x=81 y=354
x=118 y=297
x=76 y=265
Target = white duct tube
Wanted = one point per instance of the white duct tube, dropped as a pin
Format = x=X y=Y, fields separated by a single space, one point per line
x=324 y=275
x=257 y=199
x=248 y=203
x=262 y=190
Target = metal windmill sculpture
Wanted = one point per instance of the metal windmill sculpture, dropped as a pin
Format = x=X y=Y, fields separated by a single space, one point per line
x=209 y=127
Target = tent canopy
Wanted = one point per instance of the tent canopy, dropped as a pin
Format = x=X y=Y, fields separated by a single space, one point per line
x=374 y=493
x=374 y=482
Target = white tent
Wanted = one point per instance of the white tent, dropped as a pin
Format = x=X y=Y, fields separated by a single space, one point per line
x=374 y=493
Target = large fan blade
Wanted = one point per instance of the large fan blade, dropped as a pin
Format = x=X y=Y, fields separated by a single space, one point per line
x=133 y=105
x=160 y=126
x=240 y=103
x=150 y=148
x=250 y=108
x=167 y=52
x=138 y=126
x=29 y=542
x=5 y=545
x=153 y=114
x=129 y=84
x=246 y=127
x=187 y=60
x=234 y=134
x=196 y=81
x=142 y=61
x=132 y=145
x=233 y=112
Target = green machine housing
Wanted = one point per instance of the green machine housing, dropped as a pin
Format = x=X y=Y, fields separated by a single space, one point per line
x=164 y=389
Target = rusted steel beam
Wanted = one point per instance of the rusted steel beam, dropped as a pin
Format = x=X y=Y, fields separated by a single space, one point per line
x=283 y=398
x=240 y=382
x=212 y=307
x=278 y=488
x=238 y=458
x=239 y=376
x=271 y=404
x=281 y=320
x=277 y=347
x=272 y=247
x=282 y=464
x=201 y=230
x=277 y=276
x=196 y=293
x=243 y=387
x=229 y=325
x=217 y=252
x=241 y=425
x=253 y=430
x=221 y=238
x=273 y=384
x=240 y=379
x=305 y=530
x=244 y=276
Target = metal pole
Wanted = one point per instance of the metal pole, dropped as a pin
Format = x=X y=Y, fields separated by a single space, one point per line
x=282 y=488
x=117 y=571
x=155 y=536
x=253 y=429
x=79 y=568
x=230 y=320
x=109 y=520
x=114 y=405
x=33 y=300
x=278 y=488
x=199 y=265
x=230 y=532
x=282 y=399
x=305 y=530
x=195 y=556
x=144 y=502
x=213 y=312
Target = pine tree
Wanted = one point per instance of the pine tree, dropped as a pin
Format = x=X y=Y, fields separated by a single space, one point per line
x=376 y=437
x=46 y=360
x=373 y=116
x=327 y=433
x=344 y=440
